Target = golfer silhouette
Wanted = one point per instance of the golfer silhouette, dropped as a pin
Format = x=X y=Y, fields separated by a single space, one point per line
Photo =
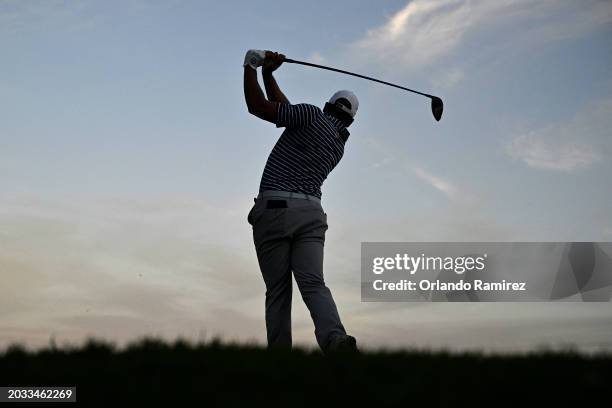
x=288 y=221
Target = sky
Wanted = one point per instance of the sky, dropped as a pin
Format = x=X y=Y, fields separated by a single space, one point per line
x=129 y=162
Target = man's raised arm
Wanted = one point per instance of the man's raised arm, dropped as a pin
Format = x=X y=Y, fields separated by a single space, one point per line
x=271 y=63
x=256 y=102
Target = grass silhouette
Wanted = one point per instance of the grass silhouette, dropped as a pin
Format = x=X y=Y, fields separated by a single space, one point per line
x=151 y=371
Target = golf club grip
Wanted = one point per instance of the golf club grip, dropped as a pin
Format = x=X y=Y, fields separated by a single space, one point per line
x=310 y=64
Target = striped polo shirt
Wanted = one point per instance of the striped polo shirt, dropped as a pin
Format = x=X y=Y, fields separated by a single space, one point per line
x=306 y=152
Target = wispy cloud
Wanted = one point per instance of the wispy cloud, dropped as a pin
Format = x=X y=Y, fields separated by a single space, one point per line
x=567 y=146
x=417 y=34
x=436 y=182
x=382 y=162
x=388 y=158
x=448 y=78
x=540 y=150
x=427 y=30
x=317 y=58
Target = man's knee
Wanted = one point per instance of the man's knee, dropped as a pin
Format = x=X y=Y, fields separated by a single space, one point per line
x=311 y=284
x=279 y=296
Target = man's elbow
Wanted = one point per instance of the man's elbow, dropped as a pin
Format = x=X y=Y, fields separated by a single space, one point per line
x=256 y=109
x=265 y=111
x=253 y=110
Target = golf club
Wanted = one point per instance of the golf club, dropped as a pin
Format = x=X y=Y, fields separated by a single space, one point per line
x=436 y=103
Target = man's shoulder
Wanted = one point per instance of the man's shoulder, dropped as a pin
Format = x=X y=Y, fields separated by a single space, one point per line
x=310 y=107
x=297 y=116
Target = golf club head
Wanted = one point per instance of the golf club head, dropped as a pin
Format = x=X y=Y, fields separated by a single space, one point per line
x=437 y=107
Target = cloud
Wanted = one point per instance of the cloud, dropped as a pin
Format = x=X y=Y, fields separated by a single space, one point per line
x=425 y=31
x=436 y=182
x=448 y=78
x=316 y=58
x=122 y=269
x=385 y=161
x=417 y=34
x=567 y=146
x=539 y=150
x=180 y=266
x=388 y=158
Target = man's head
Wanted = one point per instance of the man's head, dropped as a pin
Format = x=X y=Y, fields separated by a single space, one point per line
x=343 y=105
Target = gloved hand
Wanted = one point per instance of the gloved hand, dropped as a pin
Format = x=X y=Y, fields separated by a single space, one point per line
x=254 y=58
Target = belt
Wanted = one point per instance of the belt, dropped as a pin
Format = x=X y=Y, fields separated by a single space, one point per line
x=287 y=194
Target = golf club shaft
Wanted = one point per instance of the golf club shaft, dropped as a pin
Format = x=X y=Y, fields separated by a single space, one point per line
x=292 y=61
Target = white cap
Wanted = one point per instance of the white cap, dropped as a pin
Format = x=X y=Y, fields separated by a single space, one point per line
x=353 y=102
